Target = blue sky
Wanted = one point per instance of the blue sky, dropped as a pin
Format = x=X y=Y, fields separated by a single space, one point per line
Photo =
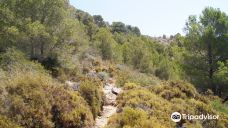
x=153 y=17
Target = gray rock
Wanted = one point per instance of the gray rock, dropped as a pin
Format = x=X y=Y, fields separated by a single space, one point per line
x=74 y=85
x=116 y=91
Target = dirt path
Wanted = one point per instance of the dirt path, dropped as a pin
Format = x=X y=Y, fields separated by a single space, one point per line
x=109 y=108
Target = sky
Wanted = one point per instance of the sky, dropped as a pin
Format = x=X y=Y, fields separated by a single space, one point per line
x=153 y=17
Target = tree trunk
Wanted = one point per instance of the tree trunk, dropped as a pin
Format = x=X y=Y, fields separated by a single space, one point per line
x=211 y=71
x=32 y=54
x=42 y=49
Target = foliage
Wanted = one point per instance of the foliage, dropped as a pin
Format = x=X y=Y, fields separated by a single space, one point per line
x=36 y=100
x=92 y=93
x=206 y=40
x=119 y=27
x=99 y=20
x=151 y=105
x=106 y=43
x=31 y=98
x=6 y=123
x=125 y=75
x=57 y=40
x=221 y=76
x=13 y=60
x=176 y=90
x=221 y=107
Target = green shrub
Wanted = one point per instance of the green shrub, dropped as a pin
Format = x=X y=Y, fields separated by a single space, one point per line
x=129 y=86
x=36 y=100
x=126 y=75
x=175 y=89
x=91 y=91
x=103 y=76
x=132 y=117
x=14 y=61
x=221 y=78
x=160 y=101
x=219 y=106
x=6 y=123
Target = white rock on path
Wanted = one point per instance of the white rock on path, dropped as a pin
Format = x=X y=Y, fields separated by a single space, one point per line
x=116 y=90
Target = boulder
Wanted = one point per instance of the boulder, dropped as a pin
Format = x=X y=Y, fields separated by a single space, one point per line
x=116 y=91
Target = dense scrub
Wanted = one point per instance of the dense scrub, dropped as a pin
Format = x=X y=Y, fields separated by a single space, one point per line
x=6 y=123
x=125 y=74
x=31 y=98
x=139 y=106
x=55 y=42
x=91 y=91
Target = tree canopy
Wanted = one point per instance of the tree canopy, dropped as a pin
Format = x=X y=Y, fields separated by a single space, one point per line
x=208 y=40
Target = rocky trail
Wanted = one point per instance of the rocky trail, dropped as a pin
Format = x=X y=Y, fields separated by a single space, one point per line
x=110 y=91
x=109 y=108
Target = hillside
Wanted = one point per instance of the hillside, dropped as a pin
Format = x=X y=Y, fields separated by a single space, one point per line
x=61 y=67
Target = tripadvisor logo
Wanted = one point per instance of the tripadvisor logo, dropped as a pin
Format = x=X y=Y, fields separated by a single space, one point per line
x=176 y=117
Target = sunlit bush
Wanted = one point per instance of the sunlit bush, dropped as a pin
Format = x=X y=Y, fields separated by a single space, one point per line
x=160 y=101
x=6 y=123
x=178 y=89
x=36 y=100
x=92 y=93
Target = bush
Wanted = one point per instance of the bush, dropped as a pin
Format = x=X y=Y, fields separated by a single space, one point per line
x=129 y=86
x=105 y=43
x=219 y=106
x=103 y=76
x=6 y=123
x=175 y=89
x=167 y=69
x=36 y=100
x=91 y=91
x=14 y=61
x=126 y=75
x=156 y=103
x=132 y=117
x=221 y=79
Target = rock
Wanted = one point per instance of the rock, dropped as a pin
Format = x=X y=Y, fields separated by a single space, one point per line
x=116 y=91
x=110 y=99
x=92 y=74
x=74 y=85
x=119 y=110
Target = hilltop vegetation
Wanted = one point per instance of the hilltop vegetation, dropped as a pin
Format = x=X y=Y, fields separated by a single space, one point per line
x=47 y=42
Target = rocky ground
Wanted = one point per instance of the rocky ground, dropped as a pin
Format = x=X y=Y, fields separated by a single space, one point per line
x=110 y=91
x=109 y=109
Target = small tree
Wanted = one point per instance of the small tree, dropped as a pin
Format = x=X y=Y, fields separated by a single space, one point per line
x=118 y=27
x=106 y=43
x=98 y=19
